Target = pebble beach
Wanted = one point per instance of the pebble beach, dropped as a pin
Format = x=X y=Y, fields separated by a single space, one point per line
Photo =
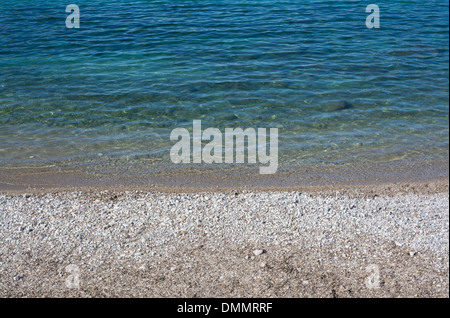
x=383 y=241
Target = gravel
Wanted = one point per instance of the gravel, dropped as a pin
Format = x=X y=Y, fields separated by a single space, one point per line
x=236 y=244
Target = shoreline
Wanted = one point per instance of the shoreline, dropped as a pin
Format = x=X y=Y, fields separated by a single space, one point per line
x=308 y=177
x=424 y=187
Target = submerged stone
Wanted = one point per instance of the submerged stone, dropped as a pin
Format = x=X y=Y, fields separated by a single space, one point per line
x=340 y=105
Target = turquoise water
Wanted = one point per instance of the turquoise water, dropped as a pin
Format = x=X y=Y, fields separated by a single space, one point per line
x=117 y=86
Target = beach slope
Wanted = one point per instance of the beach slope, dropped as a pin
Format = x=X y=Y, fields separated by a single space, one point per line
x=384 y=241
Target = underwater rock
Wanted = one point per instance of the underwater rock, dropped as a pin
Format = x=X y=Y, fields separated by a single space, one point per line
x=340 y=105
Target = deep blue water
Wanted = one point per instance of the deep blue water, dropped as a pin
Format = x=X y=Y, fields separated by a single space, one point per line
x=135 y=70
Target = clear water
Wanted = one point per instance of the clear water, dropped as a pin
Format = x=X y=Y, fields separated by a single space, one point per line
x=135 y=70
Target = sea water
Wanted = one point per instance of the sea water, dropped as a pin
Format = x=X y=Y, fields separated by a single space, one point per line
x=116 y=87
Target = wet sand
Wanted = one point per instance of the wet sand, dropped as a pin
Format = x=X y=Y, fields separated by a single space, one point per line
x=119 y=176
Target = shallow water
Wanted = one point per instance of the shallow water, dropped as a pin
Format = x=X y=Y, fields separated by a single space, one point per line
x=117 y=86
